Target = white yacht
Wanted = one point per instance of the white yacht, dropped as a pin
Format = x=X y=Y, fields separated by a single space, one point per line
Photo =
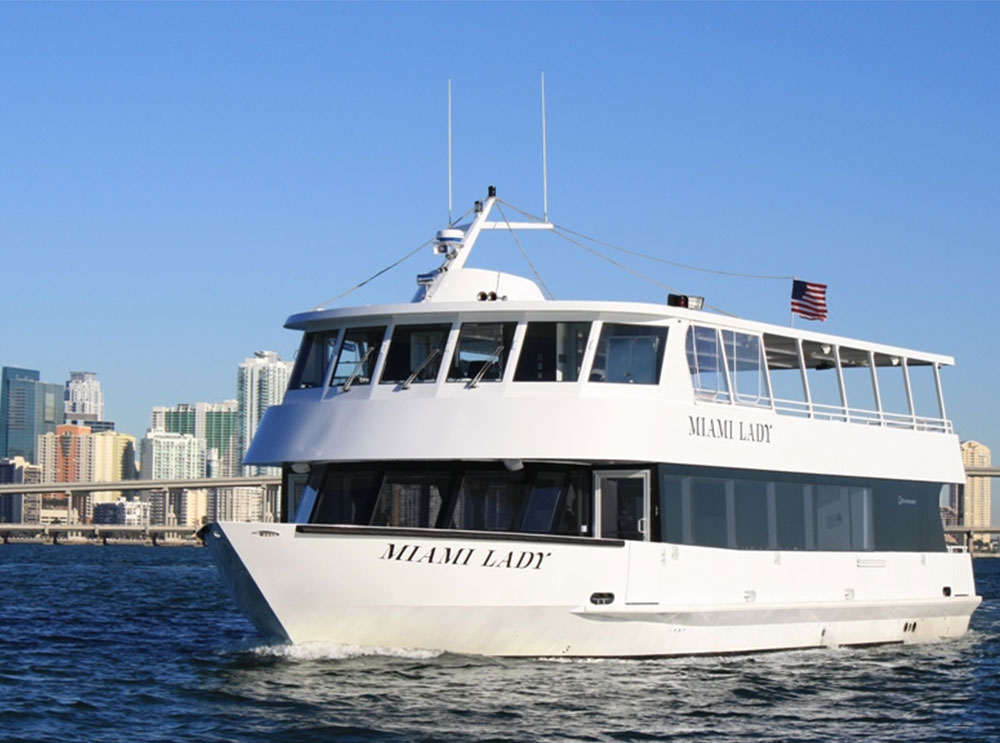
x=484 y=470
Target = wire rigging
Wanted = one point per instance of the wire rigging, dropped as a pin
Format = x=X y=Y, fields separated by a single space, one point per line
x=653 y=257
x=545 y=289
x=354 y=288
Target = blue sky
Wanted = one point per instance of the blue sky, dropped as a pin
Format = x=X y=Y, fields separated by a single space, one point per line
x=178 y=178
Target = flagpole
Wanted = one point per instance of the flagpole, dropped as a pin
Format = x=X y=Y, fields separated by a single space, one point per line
x=791 y=312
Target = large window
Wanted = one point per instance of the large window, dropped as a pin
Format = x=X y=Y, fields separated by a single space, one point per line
x=630 y=354
x=747 y=368
x=746 y=509
x=481 y=355
x=552 y=352
x=415 y=353
x=313 y=360
x=356 y=360
x=706 y=364
x=537 y=499
x=411 y=498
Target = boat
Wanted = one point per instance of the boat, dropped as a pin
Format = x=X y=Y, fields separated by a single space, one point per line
x=485 y=470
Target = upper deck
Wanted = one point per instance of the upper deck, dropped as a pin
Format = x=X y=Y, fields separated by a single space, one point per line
x=480 y=366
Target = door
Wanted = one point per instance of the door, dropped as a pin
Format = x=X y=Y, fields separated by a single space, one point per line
x=622 y=512
x=622 y=504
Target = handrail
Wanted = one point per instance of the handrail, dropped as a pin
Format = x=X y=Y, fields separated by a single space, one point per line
x=427 y=359
x=357 y=369
x=494 y=358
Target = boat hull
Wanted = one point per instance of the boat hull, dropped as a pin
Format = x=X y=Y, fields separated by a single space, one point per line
x=524 y=595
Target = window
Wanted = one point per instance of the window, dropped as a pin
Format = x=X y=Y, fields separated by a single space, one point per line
x=542 y=502
x=488 y=501
x=415 y=354
x=347 y=497
x=824 y=387
x=747 y=368
x=714 y=507
x=481 y=355
x=709 y=512
x=751 y=515
x=356 y=360
x=630 y=354
x=705 y=362
x=313 y=360
x=786 y=375
x=411 y=499
x=552 y=352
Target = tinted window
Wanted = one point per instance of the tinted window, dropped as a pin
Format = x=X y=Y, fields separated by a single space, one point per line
x=552 y=352
x=347 y=497
x=415 y=351
x=482 y=352
x=357 y=356
x=411 y=499
x=313 y=360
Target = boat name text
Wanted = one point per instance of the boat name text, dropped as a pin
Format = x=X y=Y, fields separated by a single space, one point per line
x=464 y=556
x=726 y=428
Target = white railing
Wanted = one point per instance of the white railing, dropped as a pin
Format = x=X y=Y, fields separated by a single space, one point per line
x=823 y=411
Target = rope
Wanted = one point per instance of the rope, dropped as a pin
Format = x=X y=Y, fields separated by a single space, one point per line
x=653 y=257
x=354 y=288
x=524 y=255
x=632 y=271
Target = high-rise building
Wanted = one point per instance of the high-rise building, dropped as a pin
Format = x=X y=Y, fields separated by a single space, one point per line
x=213 y=423
x=83 y=397
x=974 y=506
x=67 y=454
x=29 y=408
x=172 y=456
x=261 y=382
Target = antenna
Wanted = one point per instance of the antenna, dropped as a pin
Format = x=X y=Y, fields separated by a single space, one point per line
x=545 y=172
x=449 y=151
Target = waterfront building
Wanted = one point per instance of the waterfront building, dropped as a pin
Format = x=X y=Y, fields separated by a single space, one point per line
x=213 y=423
x=29 y=408
x=20 y=508
x=974 y=505
x=84 y=399
x=261 y=382
x=123 y=513
x=172 y=456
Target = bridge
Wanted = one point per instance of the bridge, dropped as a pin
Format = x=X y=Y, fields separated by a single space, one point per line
x=104 y=487
x=117 y=533
x=99 y=534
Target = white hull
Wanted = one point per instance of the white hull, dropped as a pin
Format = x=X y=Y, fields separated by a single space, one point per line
x=514 y=595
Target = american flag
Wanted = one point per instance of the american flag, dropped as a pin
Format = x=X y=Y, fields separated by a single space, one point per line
x=809 y=300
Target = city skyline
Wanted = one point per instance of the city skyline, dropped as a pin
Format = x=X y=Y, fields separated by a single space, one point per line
x=213 y=190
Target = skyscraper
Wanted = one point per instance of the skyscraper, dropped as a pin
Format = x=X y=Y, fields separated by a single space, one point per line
x=29 y=408
x=975 y=503
x=213 y=423
x=172 y=456
x=20 y=508
x=83 y=396
x=261 y=382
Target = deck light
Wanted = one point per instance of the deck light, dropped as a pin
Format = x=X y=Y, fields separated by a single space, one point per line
x=683 y=300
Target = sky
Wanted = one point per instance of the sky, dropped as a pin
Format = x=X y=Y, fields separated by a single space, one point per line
x=178 y=178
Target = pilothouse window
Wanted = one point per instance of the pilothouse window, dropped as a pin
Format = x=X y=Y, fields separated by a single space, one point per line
x=482 y=352
x=313 y=360
x=630 y=354
x=356 y=360
x=415 y=353
x=552 y=352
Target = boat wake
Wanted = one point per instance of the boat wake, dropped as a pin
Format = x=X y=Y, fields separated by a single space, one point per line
x=313 y=651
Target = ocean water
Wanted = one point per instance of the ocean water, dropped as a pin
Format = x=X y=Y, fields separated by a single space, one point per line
x=143 y=644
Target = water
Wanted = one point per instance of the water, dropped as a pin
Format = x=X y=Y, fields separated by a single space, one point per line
x=142 y=644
